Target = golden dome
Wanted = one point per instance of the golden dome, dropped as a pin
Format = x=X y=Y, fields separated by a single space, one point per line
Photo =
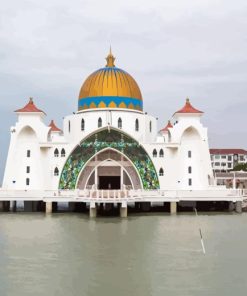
x=110 y=87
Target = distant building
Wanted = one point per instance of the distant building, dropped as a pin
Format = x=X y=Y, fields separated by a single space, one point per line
x=224 y=160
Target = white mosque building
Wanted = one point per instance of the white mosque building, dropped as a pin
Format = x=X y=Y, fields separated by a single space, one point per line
x=110 y=143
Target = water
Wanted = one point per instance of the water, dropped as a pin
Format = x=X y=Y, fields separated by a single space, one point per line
x=68 y=254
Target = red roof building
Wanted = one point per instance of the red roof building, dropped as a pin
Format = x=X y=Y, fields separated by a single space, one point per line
x=227 y=151
x=165 y=129
x=30 y=107
x=53 y=127
x=188 y=108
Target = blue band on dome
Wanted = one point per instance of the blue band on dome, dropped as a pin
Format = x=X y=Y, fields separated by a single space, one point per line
x=97 y=102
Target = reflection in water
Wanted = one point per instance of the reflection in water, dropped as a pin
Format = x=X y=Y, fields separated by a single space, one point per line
x=69 y=254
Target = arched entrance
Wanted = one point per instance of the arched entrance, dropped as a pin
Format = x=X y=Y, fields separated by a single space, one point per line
x=109 y=169
x=111 y=139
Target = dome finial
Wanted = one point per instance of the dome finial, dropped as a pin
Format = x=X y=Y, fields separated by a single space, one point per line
x=110 y=59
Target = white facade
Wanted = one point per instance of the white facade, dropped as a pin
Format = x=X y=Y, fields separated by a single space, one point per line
x=185 y=160
x=110 y=142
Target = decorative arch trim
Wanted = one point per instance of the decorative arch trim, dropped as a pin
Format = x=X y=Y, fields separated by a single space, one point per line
x=108 y=139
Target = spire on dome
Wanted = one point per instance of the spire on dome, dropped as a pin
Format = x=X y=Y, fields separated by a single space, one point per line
x=30 y=107
x=188 y=108
x=53 y=127
x=110 y=59
x=166 y=129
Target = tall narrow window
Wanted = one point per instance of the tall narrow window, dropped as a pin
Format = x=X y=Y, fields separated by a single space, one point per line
x=28 y=153
x=100 y=122
x=62 y=152
x=56 y=171
x=119 y=123
x=82 y=124
x=161 y=172
x=189 y=154
x=27 y=181
x=190 y=170
x=161 y=153
x=69 y=126
x=150 y=126
x=190 y=182
x=28 y=170
x=56 y=153
x=154 y=153
x=137 y=125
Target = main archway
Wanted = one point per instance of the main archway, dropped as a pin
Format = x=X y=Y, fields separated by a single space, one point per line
x=108 y=138
x=109 y=169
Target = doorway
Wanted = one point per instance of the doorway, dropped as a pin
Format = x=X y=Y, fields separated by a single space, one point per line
x=109 y=182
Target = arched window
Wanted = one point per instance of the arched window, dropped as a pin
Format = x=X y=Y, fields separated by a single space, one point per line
x=189 y=154
x=56 y=153
x=27 y=181
x=154 y=153
x=150 y=126
x=190 y=170
x=161 y=172
x=56 y=171
x=137 y=125
x=161 y=153
x=69 y=126
x=100 y=122
x=63 y=152
x=119 y=123
x=82 y=124
x=28 y=153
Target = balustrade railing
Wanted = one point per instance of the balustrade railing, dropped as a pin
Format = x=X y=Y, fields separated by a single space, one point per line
x=96 y=194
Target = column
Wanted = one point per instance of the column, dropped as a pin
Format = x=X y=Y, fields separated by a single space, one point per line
x=48 y=207
x=1 y=206
x=173 y=207
x=96 y=178
x=124 y=210
x=92 y=210
x=238 y=206
x=121 y=176
x=231 y=206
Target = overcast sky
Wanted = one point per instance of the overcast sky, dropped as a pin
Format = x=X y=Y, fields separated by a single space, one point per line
x=172 y=48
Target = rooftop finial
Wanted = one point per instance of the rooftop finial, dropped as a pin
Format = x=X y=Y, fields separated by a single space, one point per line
x=110 y=59
x=31 y=100
x=187 y=100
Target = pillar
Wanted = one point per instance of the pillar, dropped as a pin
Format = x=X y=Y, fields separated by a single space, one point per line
x=13 y=206
x=1 y=206
x=48 y=207
x=124 y=210
x=238 y=206
x=96 y=177
x=231 y=206
x=92 y=210
x=173 y=207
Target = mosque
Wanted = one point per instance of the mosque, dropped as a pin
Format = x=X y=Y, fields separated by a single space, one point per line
x=109 y=144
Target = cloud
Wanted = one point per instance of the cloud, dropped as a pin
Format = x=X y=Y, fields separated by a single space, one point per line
x=174 y=49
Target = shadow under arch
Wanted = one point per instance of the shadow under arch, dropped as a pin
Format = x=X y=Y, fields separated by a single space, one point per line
x=108 y=138
x=191 y=132
x=27 y=132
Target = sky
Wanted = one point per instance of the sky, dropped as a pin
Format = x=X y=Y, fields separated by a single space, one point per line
x=174 y=49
